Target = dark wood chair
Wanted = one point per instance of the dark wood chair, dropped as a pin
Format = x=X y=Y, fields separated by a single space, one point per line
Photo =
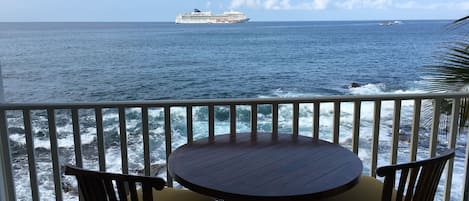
x=418 y=181
x=102 y=186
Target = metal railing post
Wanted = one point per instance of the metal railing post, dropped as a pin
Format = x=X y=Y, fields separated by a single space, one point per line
x=465 y=193
x=5 y=194
x=2 y=91
x=7 y=188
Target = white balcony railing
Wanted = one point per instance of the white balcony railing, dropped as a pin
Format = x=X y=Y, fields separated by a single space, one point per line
x=37 y=139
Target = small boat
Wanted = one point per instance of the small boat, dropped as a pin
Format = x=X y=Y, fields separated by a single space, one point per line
x=389 y=23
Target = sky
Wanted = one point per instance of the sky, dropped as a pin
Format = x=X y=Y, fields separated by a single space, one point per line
x=257 y=10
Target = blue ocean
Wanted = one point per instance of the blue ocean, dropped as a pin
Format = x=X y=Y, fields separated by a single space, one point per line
x=89 y=62
x=78 y=62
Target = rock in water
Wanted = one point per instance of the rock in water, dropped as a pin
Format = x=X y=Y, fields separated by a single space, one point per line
x=355 y=85
x=155 y=169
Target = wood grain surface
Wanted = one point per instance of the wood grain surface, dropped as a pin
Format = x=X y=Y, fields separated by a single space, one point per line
x=286 y=167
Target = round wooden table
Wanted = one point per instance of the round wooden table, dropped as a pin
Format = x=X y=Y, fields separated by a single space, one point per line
x=265 y=168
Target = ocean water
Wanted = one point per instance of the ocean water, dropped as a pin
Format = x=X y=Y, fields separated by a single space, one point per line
x=82 y=62
x=69 y=62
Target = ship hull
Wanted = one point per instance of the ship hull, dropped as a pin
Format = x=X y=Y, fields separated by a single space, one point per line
x=207 y=18
x=213 y=21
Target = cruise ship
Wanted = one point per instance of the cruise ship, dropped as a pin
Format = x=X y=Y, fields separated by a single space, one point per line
x=198 y=17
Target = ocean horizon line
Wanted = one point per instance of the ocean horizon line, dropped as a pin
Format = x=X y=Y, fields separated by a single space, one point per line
x=251 y=21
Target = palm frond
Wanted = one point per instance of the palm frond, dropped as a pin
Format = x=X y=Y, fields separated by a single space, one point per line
x=460 y=22
x=451 y=74
x=451 y=71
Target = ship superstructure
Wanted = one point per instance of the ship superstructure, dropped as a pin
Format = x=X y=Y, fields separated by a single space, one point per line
x=198 y=16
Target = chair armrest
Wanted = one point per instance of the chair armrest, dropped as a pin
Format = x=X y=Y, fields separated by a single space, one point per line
x=155 y=182
x=386 y=170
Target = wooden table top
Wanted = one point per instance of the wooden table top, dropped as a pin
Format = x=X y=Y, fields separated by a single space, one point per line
x=287 y=168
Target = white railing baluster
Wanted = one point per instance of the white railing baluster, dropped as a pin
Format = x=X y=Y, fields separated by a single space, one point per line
x=375 y=140
x=211 y=122
x=396 y=124
x=232 y=121
x=100 y=138
x=77 y=142
x=465 y=189
x=54 y=154
x=123 y=139
x=254 y=121
x=146 y=141
x=335 y=123
x=356 y=126
x=168 y=141
x=31 y=158
x=77 y=138
x=435 y=126
x=296 y=116
x=8 y=185
x=415 y=129
x=316 y=111
x=274 y=121
x=452 y=144
x=190 y=132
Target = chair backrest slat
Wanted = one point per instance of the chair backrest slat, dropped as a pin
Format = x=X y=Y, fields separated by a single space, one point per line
x=414 y=172
x=388 y=187
x=110 y=190
x=100 y=186
x=402 y=184
x=133 y=191
x=121 y=189
x=147 y=191
x=84 y=189
x=422 y=182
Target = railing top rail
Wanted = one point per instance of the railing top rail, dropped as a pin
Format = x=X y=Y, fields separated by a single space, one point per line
x=236 y=101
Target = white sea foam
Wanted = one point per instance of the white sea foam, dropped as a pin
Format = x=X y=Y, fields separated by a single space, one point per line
x=368 y=89
x=286 y=94
x=381 y=88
